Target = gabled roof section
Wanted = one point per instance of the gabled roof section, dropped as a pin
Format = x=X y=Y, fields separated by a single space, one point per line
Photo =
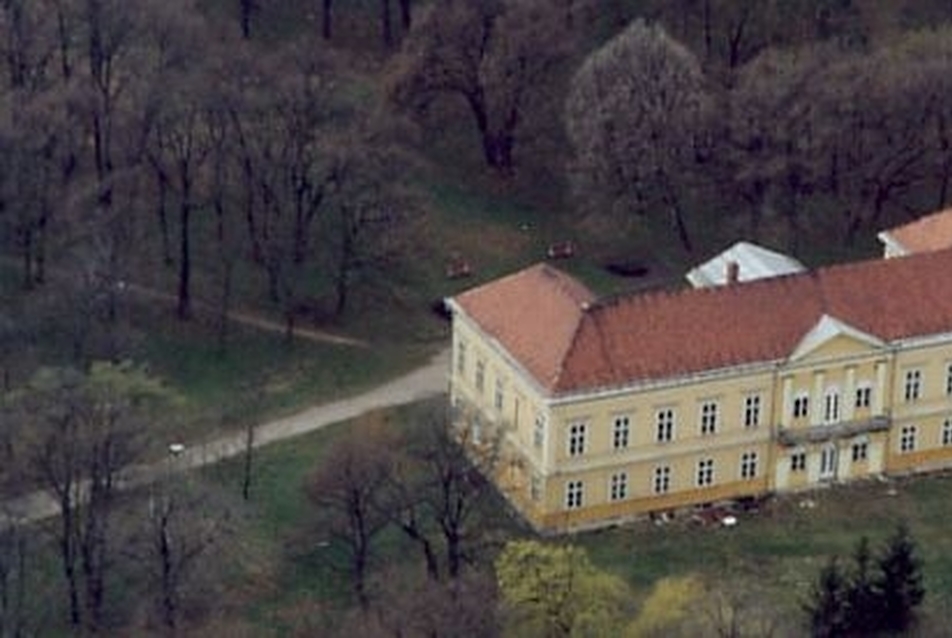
x=826 y=329
x=926 y=234
x=752 y=262
x=533 y=313
x=548 y=322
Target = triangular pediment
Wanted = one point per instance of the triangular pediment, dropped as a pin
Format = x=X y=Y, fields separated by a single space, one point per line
x=839 y=337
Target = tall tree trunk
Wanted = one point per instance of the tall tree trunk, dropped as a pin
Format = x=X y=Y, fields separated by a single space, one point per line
x=327 y=11
x=185 y=256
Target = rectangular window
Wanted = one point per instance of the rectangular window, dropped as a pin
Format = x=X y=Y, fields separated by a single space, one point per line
x=662 y=479
x=705 y=472
x=620 y=432
x=476 y=431
x=947 y=432
x=535 y=487
x=798 y=462
x=480 y=375
x=860 y=451
x=748 y=465
x=709 y=417
x=498 y=398
x=576 y=439
x=948 y=379
x=574 y=494
x=801 y=406
x=618 y=489
x=461 y=358
x=907 y=440
x=864 y=396
x=665 y=422
x=913 y=385
x=831 y=406
x=752 y=411
x=538 y=430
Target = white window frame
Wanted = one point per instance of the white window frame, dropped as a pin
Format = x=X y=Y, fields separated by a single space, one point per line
x=948 y=379
x=621 y=432
x=538 y=430
x=705 y=473
x=708 y=416
x=912 y=386
x=748 y=465
x=480 y=380
x=753 y=404
x=947 y=432
x=831 y=405
x=864 y=395
x=661 y=479
x=499 y=396
x=859 y=451
x=618 y=486
x=664 y=425
x=577 y=432
x=798 y=461
x=574 y=494
x=801 y=405
x=535 y=487
x=907 y=439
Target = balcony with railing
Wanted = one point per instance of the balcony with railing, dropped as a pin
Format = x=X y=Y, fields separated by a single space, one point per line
x=831 y=431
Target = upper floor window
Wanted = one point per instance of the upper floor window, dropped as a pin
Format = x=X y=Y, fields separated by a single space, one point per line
x=751 y=410
x=480 y=375
x=576 y=439
x=798 y=461
x=618 y=487
x=907 y=439
x=831 y=406
x=461 y=357
x=947 y=432
x=476 y=431
x=709 y=417
x=664 y=420
x=620 y=432
x=748 y=465
x=535 y=487
x=662 y=479
x=801 y=405
x=499 y=395
x=913 y=385
x=705 y=472
x=864 y=395
x=574 y=494
x=538 y=430
x=948 y=379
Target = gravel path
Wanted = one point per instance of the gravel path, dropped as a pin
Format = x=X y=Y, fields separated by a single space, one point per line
x=427 y=381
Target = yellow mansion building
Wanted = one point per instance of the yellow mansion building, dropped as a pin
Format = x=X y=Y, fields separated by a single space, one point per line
x=607 y=409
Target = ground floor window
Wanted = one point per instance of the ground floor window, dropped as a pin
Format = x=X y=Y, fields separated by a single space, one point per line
x=618 y=488
x=662 y=479
x=907 y=440
x=705 y=472
x=947 y=432
x=860 y=451
x=535 y=487
x=748 y=465
x=798 y=461
x=574 y=493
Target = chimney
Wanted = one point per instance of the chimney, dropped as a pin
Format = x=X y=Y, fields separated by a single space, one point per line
x=733 y=273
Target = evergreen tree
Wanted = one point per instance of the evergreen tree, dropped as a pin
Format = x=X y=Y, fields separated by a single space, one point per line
x=829 y=602
x=899 y=584
x=863 y=601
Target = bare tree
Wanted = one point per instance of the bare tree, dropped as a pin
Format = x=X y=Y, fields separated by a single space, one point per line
x=347 y=489
x=492 y=54
x=634 y=116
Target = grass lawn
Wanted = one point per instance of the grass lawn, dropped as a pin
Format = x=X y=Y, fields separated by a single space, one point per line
x=777 y=552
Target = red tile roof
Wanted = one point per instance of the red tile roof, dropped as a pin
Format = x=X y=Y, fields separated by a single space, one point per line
x=549 y=323
x=926 y=234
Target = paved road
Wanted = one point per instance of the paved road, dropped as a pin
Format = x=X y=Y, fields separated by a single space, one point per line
x=427 y=381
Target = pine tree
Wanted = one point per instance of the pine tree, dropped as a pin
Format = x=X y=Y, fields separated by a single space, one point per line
x=863 y=600
x=899 y=584
x=828 y=607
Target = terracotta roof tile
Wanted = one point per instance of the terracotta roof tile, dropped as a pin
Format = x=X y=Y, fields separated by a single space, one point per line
x=548 y=322
x=534 y=313
x=926 y=234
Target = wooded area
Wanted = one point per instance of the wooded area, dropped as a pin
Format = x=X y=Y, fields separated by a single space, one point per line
x=284 y=156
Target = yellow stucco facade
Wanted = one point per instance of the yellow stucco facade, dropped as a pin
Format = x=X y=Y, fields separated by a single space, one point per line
x=843 y=406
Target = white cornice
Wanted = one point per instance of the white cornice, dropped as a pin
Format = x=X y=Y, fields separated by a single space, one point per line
x=828 y=328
